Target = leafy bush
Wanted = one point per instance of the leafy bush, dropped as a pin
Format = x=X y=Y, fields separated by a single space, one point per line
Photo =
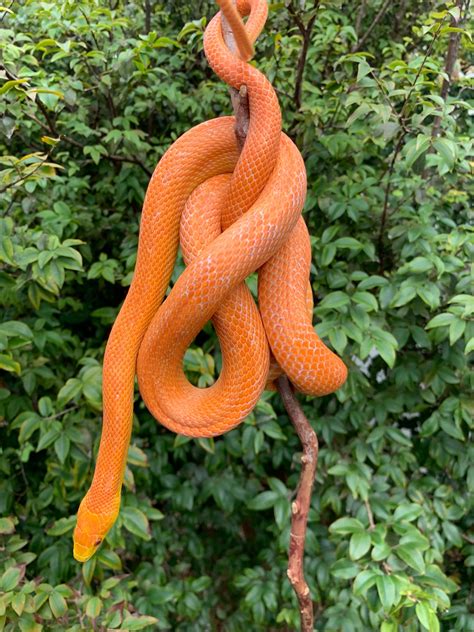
x=92 y=95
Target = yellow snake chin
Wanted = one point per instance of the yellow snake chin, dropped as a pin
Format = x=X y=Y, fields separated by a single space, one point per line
x=90 y=531
x=83 y=553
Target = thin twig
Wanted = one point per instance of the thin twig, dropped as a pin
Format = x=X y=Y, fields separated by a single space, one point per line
x=360 y=17
x=26 y=175
x=451 y=57
x=239 y=98
x=75 y=143
x=300 y=507
x=63 y=412
x=7 y=11
x=306 y=32
x=370 y=515
x=358 y=45
x=309 y=440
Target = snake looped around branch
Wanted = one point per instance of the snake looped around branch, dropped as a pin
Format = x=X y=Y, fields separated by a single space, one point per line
x=233 y=213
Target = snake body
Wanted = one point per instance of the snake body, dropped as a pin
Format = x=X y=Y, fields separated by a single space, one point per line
x=234 y=213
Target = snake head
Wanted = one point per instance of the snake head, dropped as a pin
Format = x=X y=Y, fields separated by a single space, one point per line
x=90 y=531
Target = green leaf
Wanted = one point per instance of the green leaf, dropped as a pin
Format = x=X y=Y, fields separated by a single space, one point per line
x=359 y=545
x=94 y=607
x=364 y=580
x=411 y=556
x=371 y=282
x=348 y=242
x=109 y=559
x=469 y=347
x=451 y=427
x=14 y=83
x=386 y=350
x=88 y=569
x=265 y=500
x=363 y=70
x=415 y=148
x=367 y=300
x=427 y=617
x=282 y=510
x=8 y=364
x=405 y=295
x=131 y=622
x=456 y=330
x=18 y=603
x=272 y=429
x=10 y=579
x=137 y=457
x=345 y=526
x=338 y=339
x=344 y=569
x=447 y=149
x=386 y=590
x=441 y=320
x=136 y=522
x=452 y=533
x=62 y=526
x=207 y=444
x=335 y=300
x=15 y=328
x=69 y=391
x=7 y=526
x=58 y=604
x=407 y=511
x=419 y=265
x=61 y=447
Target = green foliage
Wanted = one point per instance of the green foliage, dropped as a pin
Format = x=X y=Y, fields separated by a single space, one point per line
x=89 y=102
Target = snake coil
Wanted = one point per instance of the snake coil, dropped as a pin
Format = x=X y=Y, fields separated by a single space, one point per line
x=233 y=213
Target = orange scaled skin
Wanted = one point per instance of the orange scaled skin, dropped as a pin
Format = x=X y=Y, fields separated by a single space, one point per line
x=234 y=213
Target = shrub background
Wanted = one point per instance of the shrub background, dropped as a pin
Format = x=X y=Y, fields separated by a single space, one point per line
x=92 y=94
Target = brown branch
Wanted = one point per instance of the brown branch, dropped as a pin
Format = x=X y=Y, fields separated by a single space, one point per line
x=309 y=459
x=300 y=507
x=451 y=56
x=360 y=17
x=147 y=16
x=50 y=127
x=239 y=98
x=383 y=9
x=306 y=32
x=388 y=187
x=397 y=150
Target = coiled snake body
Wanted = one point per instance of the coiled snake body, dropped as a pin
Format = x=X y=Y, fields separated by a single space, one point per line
x=234 y=212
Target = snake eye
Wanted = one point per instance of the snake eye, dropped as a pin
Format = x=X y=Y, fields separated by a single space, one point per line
x=98 y=542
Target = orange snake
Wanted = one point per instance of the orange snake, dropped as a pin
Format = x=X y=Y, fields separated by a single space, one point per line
x=233 y=213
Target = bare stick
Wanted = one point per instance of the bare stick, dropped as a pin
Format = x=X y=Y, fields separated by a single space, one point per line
x=308 y=438
x=300 y=507
x=240 y=101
